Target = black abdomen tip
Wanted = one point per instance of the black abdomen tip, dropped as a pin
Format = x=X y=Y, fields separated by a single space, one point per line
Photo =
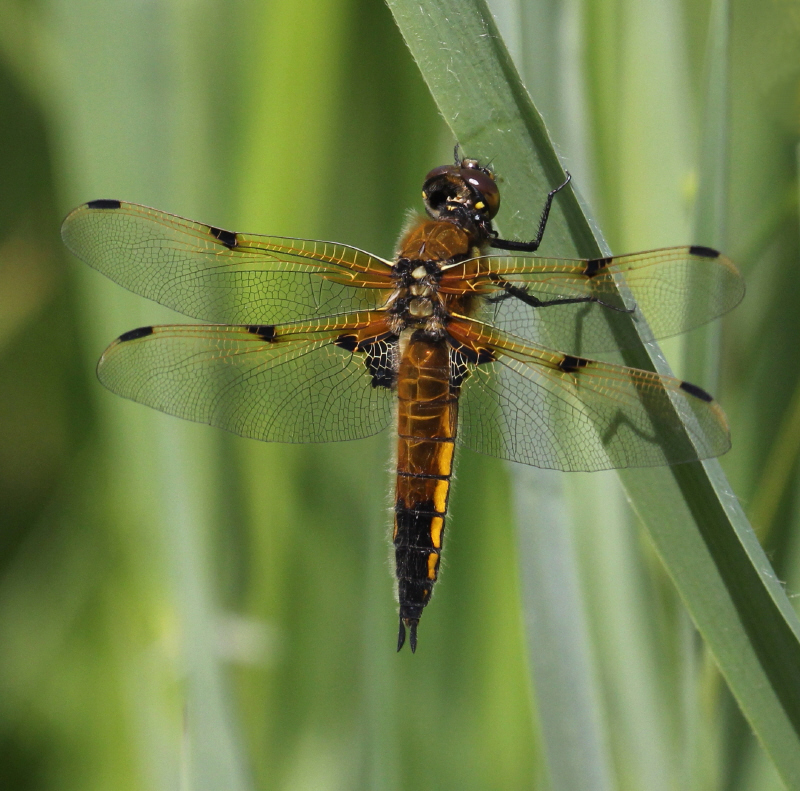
x=103 y=204
x=696 y=391
x=412 y=628
x=132 y=335
x=703 y=252
x=401 y=636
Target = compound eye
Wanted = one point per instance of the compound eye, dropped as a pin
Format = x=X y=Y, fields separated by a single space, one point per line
x=441 y=184
x=442 y=170
x=484 y=185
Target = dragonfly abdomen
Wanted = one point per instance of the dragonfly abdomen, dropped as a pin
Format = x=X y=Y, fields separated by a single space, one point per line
x=427 y=424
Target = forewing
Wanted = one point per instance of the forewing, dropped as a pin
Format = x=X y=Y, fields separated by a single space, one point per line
x=562 y=412
x=280 y=384
x=220 y=276
x=673 y=290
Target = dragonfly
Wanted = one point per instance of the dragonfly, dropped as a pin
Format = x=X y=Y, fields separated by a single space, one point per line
x=463 y=337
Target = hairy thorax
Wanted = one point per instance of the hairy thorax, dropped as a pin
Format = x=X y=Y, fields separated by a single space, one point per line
x=428 y=248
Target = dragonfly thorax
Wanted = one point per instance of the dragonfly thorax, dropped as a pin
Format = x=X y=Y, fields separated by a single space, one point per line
x=415 y=302
x=427 y=247
x=407 y=310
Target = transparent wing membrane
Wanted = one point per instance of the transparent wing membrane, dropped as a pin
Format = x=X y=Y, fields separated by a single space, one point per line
x=280 y=384
x=301 y=351
x=220 y=276
x=673 y=291
x=561 y=412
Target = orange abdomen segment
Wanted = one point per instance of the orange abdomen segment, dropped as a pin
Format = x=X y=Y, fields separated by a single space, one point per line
x=427 y=421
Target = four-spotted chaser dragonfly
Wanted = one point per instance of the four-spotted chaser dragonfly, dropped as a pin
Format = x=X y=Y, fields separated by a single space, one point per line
x=316 y=341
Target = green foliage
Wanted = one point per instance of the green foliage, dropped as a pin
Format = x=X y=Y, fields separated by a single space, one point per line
x=184 y=609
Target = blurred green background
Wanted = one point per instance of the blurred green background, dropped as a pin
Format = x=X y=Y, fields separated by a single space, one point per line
x=184 y=609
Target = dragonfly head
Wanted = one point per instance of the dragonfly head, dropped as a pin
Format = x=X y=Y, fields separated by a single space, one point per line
x=465 y=191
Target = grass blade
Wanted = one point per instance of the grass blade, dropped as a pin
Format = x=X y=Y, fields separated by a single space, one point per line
x=693 y=517
x=562 y=664
x=155 y=159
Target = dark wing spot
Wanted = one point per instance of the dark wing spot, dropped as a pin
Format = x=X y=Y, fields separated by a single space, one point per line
x=264 y=331
x=696 y=391
x=380 y=356
x=703 y=252
x=594 y=265
x=228 y=238
x=132 y=335
x=571 y=364
x=383 y=375
x=461 y=357
x=347 y=342
x=381 y=360
x=476 y=355
x=103 y=204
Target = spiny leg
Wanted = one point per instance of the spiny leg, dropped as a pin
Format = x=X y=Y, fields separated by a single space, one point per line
x=532 y=246
x=521 y=293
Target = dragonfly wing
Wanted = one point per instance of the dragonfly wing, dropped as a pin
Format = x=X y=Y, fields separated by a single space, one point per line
x=562 y=412
x=673 y=291
x=290 y=383
x=220 y=276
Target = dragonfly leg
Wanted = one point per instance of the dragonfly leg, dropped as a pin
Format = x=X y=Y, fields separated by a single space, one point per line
x=532 y=246
x=521 y=293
